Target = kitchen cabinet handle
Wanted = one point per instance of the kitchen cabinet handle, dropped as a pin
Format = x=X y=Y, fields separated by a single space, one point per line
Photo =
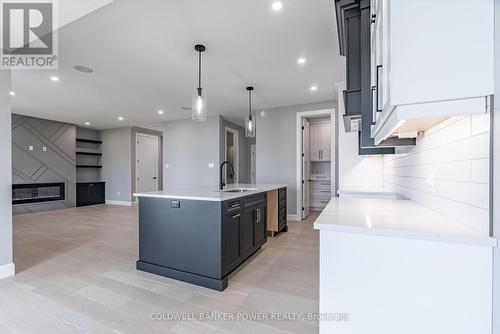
x=377 y=83
x=236 y=216
x=235 y=205
x=324 y=202
x=258 y=215
x=325 y=191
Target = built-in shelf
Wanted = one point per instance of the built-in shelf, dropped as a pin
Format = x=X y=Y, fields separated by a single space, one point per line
x=88 y=166
x=89 y=153
x=89 y=141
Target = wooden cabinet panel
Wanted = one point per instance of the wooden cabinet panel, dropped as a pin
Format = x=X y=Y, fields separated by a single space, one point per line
x=314 y=142
x=325 y=142
x=320 y=142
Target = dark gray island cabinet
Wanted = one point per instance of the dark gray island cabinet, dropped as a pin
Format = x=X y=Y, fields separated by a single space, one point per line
x=200 y=239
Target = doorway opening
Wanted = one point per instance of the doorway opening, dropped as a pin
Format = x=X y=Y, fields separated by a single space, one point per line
x=315 y=161
x=231 y=154
x=147 y=163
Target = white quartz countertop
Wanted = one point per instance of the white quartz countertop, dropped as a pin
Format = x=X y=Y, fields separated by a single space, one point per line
x=211 y=194
x=396 y=218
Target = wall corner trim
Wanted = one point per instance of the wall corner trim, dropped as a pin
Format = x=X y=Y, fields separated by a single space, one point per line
x=122 y=203
x=7 y=270
x=293 y=218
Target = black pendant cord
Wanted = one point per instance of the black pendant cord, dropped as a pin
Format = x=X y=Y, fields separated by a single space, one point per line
x=199 y=69
x=250 y=104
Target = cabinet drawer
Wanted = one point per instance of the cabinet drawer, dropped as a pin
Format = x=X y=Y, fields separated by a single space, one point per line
x=319 y=202
x=320 y=184
x=232 y=206
x=255 y=199
x=319 y=192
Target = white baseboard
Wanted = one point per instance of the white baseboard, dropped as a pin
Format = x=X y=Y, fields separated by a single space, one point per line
x=122 y=203
x=293 y=218
x=7 y=270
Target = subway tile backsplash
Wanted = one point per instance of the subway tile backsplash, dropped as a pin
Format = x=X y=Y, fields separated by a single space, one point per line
x=448 y=170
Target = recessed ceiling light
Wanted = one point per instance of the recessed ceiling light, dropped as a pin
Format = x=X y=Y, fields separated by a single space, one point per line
x=12 y=93
x=120 y=118
x=161 y=112
x=314 y=88
x=83 y=69
x=53 y=78
x=301 y=61
x=87 y=123
x=277 y=5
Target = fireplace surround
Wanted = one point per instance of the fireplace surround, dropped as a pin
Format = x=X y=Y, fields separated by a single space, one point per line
x=38 y=192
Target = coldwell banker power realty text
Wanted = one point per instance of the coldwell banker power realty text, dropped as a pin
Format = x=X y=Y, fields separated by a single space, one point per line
x=29 y=38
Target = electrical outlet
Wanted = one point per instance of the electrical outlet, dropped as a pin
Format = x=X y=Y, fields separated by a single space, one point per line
x=44 y=149
x=167 y=166
x=354 y=125
x=211 y=165
x=30 y=148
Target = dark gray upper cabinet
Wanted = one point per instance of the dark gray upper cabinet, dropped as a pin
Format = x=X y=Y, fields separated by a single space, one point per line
x=354 y=21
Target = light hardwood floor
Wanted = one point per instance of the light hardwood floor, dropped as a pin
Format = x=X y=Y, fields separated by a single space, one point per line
x=76 y=274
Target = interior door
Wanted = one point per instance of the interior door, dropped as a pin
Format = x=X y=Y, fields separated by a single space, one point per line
x=147 y=151
x=305 y=168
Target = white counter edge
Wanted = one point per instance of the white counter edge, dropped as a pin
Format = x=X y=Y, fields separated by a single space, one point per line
x=469 y=240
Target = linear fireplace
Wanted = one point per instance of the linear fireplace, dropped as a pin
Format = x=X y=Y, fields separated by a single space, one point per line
x=37 y=192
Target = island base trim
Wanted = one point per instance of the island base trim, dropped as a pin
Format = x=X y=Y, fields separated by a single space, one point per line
x=207 y=282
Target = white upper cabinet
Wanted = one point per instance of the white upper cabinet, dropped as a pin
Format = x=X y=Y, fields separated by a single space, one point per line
x=430 y=60
x=320 y=141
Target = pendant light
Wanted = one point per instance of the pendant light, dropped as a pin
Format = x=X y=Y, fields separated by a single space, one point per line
x=250 y=129
x=199 y=112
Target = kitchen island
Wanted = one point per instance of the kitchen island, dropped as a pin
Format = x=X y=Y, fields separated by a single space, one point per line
x=201 y=235
x=397 y=267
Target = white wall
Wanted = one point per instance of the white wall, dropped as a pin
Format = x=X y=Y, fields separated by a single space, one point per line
x=496 y=179
x=277 y=147
x=6 y=266
x=448 y=170
x=188 y=148
x=117 y=164
x=355 y=172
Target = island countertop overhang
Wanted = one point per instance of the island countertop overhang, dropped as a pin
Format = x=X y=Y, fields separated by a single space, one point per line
x=211 y=194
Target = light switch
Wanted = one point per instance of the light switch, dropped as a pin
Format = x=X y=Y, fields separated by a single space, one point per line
x=167 y=166
x=30 y=148
x=211 y=165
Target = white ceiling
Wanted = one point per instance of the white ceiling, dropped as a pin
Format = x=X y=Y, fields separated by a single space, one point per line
x=143 y=60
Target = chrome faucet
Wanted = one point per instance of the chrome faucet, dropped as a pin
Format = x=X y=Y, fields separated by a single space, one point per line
x=222 y=184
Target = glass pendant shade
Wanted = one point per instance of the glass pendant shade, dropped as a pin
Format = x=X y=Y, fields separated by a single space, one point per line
x=250 y=126
x=199 y=109
x=250 y=129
